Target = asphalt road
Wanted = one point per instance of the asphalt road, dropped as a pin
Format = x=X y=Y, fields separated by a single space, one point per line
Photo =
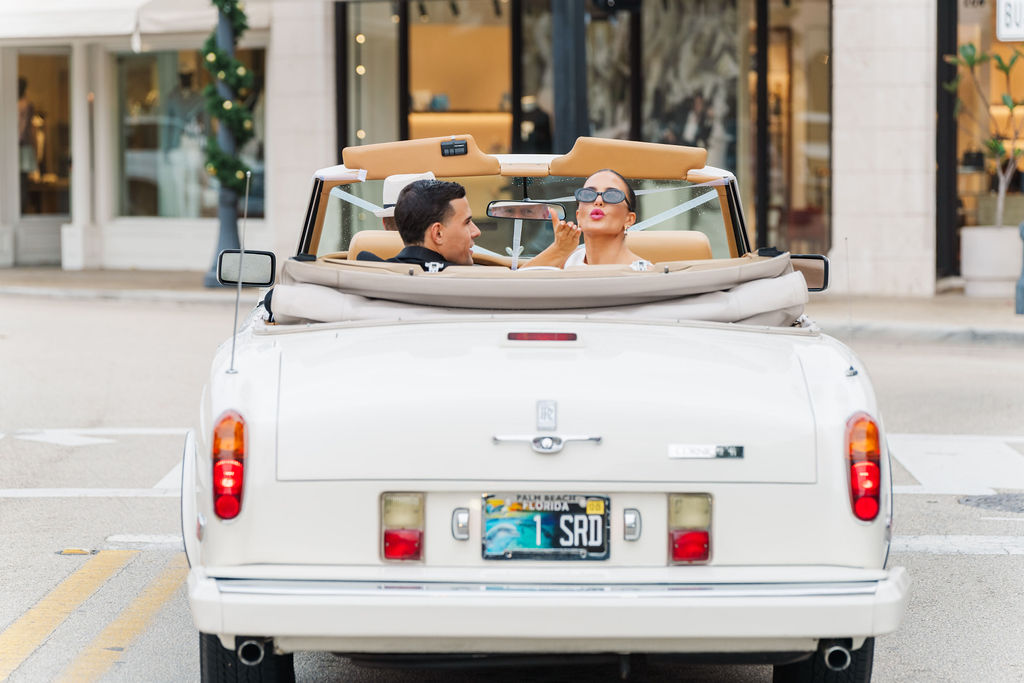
x=97 y=395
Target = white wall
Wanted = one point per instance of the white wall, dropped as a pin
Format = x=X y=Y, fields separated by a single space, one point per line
x=883 y=147
x=301 y=135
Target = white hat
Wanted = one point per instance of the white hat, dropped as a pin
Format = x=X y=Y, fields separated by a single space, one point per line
x=393 y=185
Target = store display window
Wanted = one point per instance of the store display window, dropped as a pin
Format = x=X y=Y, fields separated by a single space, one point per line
x=163 y=132
x=44 y=140
x=977 y=121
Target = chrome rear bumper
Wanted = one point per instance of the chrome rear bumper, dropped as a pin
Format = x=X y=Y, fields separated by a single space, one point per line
x=403 y=616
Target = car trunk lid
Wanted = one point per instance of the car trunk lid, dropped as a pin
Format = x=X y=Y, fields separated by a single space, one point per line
x=626 y=403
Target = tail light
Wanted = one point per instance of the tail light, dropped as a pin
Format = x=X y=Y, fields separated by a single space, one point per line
x=401 y=523
x=228 y=464
x=689 y=527
x=864 y=450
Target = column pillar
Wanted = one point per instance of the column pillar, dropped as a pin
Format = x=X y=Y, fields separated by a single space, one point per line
x=76 y=248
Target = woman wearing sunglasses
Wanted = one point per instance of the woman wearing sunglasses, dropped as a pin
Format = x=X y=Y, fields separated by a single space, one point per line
x=606 y=209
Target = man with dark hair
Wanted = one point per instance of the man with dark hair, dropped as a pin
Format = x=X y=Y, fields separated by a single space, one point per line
x=436 y=225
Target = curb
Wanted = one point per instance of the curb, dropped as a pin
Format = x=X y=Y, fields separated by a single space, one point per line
x=161 y=295
x=911 y=332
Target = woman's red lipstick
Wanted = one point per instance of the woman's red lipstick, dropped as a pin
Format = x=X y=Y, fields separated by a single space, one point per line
x=596 y=214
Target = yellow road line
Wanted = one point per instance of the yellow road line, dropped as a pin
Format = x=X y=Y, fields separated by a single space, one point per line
x=32 y=628
x=107 y=648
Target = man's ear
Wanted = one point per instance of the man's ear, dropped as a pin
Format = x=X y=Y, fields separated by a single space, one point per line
x=435 y=233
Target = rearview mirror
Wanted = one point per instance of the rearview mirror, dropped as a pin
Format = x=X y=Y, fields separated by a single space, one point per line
x=815 y=270
x=254 y=268
x=531 y=211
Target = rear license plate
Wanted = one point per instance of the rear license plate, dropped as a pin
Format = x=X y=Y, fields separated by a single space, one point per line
x=545 y=526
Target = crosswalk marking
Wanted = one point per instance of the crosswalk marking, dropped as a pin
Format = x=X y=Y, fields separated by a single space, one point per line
x=959 y=545
x=90 y=436
x=90 y=493
x=958 y=464
x=30 y=630
x=171 y=480
x=108 y=647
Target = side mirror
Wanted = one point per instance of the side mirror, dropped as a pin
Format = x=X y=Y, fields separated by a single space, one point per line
x=531 y=211
x=254 y=269
x=815 y=270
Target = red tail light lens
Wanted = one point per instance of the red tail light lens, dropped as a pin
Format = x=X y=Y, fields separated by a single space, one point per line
x=228 y=464
x=863 y=447
x=690 y=546
x=403 y=544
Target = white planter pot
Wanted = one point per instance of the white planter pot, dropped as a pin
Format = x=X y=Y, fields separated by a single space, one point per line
x=990 y=260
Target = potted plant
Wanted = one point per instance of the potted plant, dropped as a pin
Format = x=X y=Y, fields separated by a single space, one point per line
x=990 y=255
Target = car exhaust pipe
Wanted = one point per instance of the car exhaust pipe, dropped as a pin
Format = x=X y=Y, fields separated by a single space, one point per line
x=837 y=658
x=250 y=652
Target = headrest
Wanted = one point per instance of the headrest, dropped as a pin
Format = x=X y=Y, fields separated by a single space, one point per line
x=630 y=158
x=384 y=243
x=669 y=245
x=393 y=185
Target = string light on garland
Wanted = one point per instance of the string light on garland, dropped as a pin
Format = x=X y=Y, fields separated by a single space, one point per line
x=231 y=112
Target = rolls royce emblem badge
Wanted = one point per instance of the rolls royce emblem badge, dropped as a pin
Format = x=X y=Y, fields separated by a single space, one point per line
x=547 y=415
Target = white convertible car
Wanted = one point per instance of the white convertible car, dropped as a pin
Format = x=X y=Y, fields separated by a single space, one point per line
x=494 y=462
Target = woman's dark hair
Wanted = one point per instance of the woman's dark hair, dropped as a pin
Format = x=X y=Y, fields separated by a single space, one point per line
x=630 y=195
x=423 y=203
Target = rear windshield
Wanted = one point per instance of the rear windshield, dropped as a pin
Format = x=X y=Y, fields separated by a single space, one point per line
x=661 y=205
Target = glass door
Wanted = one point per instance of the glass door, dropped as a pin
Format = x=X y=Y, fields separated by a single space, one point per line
x=44 y=156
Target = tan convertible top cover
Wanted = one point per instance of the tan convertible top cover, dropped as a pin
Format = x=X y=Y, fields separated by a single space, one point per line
x=749 y=289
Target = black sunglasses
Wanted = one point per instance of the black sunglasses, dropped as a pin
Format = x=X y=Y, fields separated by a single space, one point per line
x=612 y=195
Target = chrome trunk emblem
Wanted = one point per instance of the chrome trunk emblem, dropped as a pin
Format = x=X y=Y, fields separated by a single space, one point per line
x=547 y=415
x=545 y=443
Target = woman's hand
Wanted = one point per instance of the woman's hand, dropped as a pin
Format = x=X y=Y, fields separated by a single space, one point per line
x=567 y=238
x=567 y=234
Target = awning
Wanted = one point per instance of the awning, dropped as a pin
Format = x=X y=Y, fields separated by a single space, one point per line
x=26 y=20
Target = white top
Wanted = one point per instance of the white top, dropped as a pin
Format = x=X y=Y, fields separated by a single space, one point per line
x=578 y=258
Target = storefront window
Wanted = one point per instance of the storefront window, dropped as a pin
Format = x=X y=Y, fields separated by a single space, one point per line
x=800 y=113
x=44 y=140
x=373 y=72
x=691 y=77
x=976 y=172
x=164 y=127
x=460 y=78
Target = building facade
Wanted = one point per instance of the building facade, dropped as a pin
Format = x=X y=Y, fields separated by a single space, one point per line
x=825 y=109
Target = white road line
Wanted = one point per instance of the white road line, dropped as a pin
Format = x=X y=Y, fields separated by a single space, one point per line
x=171 y=480
x=89 y=493
x=144 y=541
x=89 y=436
x=948 y=464
x=959 y=545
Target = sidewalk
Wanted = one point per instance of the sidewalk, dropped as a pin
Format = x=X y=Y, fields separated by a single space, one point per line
x=948 y=317
x=139 y=285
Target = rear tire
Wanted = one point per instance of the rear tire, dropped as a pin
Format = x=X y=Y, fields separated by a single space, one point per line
x=220 y=665
x=813 y=669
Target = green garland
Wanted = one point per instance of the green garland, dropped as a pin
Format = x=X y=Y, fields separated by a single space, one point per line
x=231 y=112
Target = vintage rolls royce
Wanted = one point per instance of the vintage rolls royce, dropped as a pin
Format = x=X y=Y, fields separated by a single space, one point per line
x=497 y=461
